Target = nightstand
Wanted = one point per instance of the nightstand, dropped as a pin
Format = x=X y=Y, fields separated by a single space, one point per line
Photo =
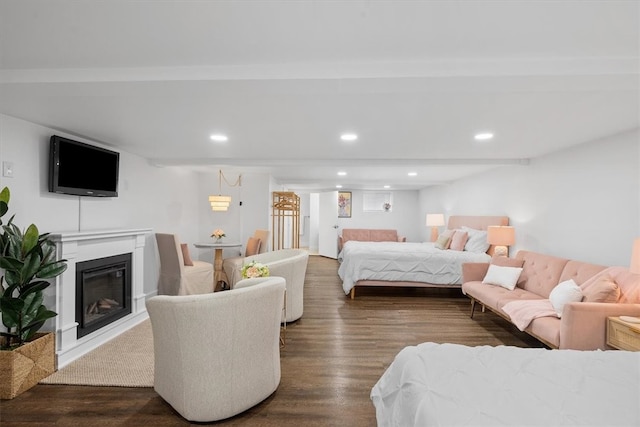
x=623 y=335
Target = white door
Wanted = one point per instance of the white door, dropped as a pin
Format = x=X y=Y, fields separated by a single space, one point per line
x=328 y=224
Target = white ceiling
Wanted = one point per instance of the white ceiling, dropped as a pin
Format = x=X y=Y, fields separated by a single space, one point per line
x=283 y=79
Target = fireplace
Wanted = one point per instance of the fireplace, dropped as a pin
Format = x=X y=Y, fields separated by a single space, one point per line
x=103 y=292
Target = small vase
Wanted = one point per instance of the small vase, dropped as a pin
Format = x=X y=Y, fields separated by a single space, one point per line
x=218 y=239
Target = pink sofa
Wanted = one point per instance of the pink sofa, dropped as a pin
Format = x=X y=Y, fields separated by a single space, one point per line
x=368 y=235
x=583 y=324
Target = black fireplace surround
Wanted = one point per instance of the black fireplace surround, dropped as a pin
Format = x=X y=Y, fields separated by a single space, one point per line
x=103 y=292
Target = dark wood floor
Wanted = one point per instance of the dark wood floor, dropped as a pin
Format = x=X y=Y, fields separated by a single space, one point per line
x=333 y=356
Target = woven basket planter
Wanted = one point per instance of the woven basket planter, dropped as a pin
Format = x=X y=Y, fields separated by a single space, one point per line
x=22 y=368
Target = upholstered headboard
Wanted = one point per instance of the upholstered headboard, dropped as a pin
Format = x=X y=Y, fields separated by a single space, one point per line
x=477 y=222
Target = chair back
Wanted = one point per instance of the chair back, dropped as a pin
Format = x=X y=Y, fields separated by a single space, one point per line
x=263 y=235
x=218 y=354
x=171 y=264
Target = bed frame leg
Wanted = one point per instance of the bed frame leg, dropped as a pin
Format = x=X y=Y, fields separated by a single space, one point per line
x=353 y=292
x=473 y=306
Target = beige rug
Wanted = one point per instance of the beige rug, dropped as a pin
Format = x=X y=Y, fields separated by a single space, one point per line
x=125 y=361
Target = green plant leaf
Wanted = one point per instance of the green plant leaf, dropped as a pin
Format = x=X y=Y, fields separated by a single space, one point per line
x=10 y=263
x=30 y=239
x=4 y=208
x=52 y=270
x=5 y=195
x=31 y=267
x=38 y=285
x=11 y=311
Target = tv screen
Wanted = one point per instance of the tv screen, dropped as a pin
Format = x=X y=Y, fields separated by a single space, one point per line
x=82 y=169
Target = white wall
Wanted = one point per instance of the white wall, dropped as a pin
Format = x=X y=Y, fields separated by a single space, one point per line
x=404 y=215
x=164 y=199
x=582 y=203
x=240 y=221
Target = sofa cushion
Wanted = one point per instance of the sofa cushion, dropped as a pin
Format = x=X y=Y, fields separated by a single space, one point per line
x=506 y=277
x=566 y=292
x=629 y=283
x=546 y=328
x=495 y=296
x=504 y=261
x=604 y=289
x=383 y=235
x=540 y=273
x=186 y=256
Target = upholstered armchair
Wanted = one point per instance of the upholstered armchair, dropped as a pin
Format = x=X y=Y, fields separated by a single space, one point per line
x=288 y=263
x=176 y=278
x=217 y=355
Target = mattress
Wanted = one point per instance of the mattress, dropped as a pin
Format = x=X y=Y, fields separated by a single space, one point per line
x=454 y=385
x=403 y=262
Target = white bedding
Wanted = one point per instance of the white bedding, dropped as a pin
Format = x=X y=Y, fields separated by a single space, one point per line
x=407 y=262
x=454 y=385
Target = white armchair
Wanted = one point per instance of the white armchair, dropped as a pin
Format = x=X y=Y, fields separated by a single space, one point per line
x=176 y=278
x=288 y=263
x=217 y=355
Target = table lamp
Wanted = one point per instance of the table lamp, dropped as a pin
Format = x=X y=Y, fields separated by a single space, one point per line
x=434 y=221
x=501 y=236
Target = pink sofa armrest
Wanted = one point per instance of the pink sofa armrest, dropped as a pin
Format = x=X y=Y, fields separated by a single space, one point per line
x=584 y=324
x=340 y=243
x=402 y=239
x=474 y=271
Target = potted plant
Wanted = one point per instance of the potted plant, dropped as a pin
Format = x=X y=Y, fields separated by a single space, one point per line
x=28 y=259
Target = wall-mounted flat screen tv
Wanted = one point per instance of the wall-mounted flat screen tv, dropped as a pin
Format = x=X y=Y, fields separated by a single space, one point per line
x=82 y=169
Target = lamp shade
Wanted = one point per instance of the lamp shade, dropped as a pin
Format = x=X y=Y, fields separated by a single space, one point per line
x=635 y=257
x=501 y=235
x=435 y=220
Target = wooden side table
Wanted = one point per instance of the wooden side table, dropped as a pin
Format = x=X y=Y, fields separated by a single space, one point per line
x=623 y=335
x=218 y=273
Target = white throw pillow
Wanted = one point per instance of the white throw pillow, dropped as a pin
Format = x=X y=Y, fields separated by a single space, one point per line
x=507 y=277
x=563 y=293
x=476 y=241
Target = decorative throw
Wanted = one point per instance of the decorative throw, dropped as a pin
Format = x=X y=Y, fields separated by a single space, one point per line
x=522 y=312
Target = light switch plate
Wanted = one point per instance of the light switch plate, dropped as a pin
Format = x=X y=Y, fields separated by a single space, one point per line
x=7 y=169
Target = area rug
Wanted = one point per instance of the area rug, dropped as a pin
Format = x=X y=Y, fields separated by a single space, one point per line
x=125 y=361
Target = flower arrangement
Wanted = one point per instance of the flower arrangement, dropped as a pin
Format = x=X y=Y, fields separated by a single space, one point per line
x=218 y=233
x=254 y=269
x=386 y=206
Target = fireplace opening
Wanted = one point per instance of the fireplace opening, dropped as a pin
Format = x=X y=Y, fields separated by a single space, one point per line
x=103 y=292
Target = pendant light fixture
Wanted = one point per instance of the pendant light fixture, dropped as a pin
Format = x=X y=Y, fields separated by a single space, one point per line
x=221 y=203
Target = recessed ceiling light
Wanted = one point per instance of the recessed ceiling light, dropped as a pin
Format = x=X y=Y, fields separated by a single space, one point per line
x=218 y=137
x=413 y=174
x=483 y=136
x=387 y=186
x=342 y=173
x=348 y=137
x=338 y=186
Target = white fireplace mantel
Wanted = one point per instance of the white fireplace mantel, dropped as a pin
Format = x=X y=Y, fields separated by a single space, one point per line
x=79 y=246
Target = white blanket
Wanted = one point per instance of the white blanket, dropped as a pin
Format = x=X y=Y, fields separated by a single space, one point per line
x=408 y=262
x=453 y=385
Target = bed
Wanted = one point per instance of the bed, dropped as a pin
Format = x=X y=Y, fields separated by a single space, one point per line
x=410 y=264
x=448 y=384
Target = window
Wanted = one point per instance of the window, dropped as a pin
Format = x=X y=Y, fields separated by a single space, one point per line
x=377 y=201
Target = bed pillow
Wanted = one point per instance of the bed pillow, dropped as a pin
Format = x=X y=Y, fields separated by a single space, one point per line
x=444 y=239
x=458 y=240
x=477 y=241
x=506 y=277
x=185 y=254
x=564 y=292
x=602 y=290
